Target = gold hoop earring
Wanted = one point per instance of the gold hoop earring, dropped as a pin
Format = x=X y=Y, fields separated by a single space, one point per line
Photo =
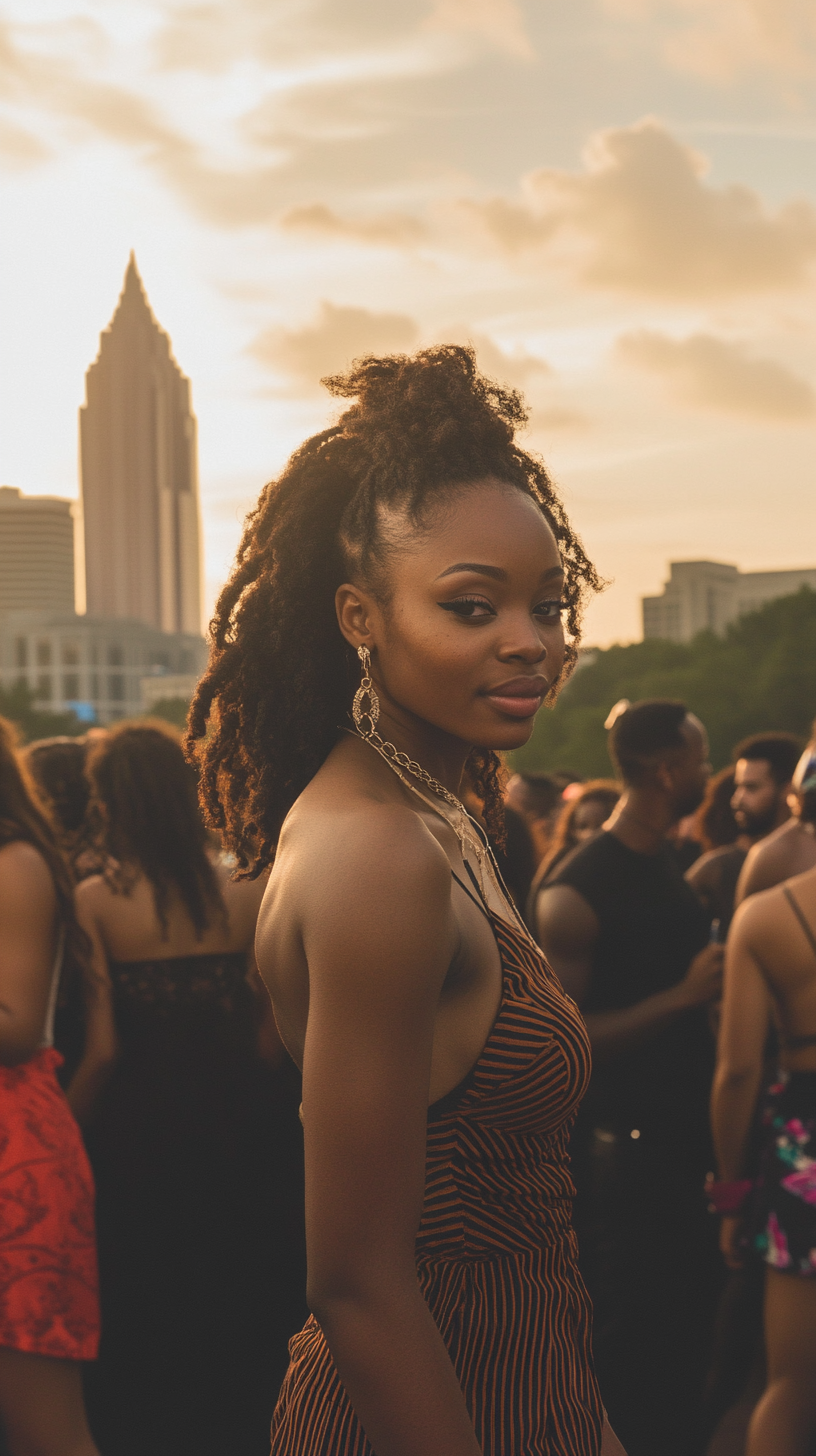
x=361 y=714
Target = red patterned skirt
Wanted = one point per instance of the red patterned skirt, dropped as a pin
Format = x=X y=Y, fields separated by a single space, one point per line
x=49 y=1298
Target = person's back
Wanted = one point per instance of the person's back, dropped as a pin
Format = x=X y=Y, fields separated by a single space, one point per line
x=193 y=1137
x=771 y=978
x=628 y=937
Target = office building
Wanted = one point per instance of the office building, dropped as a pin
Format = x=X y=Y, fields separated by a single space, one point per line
x=138 y=459
x=707 y=595
x=36 y=552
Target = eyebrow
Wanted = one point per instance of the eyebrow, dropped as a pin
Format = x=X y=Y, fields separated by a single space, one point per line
x=497 y=572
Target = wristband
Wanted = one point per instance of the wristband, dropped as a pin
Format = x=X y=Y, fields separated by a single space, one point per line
x=727 y=1198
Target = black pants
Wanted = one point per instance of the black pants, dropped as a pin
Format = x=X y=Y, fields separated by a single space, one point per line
x=650 y=1259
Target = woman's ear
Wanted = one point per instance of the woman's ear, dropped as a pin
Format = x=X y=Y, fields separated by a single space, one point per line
x=354 y=608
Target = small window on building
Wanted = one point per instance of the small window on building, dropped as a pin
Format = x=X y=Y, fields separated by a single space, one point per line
x=70 y=654
x=21 y=651
x=94 y=687
x=185 y=660
x=70 y=686
x=116 y=687
x=116 y=654
x=44 y=654
x=45 y=687
x=94 y=654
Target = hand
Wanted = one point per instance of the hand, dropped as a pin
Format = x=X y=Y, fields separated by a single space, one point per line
x=702 y=982
x=730 y=1230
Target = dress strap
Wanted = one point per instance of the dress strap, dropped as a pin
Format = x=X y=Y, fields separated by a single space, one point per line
x=794 y=1043
x=476 y=899
x=798 y=912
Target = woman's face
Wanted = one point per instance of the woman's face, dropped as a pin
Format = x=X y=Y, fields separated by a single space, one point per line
x=470 y=640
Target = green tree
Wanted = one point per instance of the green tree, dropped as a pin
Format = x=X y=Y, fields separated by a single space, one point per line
x=19 y=705
x=759 y=676
x=172 y=710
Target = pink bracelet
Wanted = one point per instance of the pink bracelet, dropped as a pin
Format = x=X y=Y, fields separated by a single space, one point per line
x=727 y=1198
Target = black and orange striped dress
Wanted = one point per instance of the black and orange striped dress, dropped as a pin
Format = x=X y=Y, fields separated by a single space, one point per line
x=496 y=1253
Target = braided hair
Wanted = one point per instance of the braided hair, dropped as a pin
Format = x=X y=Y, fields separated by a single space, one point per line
x=281 y=675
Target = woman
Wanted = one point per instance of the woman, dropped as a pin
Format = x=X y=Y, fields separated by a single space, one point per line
x=192 y=1136
x=770 y=977
x=415 y=553
x=49 y=1310
x=581 y=817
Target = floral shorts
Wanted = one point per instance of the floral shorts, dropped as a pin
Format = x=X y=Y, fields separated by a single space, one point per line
x=785 y=1226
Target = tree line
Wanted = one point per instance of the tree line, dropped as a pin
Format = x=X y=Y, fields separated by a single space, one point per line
x=760 y=675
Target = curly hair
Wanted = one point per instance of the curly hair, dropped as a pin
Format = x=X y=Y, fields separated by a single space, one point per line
x=281 y=676
x=144 y=814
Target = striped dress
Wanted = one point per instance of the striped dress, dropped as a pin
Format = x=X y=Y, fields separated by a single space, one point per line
x=496 y=1253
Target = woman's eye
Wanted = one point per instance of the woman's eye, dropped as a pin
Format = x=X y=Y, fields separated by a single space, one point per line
x=550 y=611
x=469 y=607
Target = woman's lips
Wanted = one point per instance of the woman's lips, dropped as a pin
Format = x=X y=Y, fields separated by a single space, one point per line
x=519 y=699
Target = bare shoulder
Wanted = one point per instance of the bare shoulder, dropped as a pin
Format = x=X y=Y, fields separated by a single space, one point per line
x=353 y=858
x=766 y=861
x=92 y=894
x=564 y=916
x=23 y=871
x=757 y=915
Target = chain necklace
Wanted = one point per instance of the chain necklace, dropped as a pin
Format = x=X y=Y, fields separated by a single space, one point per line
x=473 y=842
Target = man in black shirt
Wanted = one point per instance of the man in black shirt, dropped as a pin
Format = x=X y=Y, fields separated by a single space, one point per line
x=629 y=940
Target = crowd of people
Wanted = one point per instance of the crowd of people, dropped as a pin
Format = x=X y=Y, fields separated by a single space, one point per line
x=433 y=1110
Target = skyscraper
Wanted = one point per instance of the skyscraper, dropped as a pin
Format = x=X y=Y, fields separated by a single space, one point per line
x=140 y=475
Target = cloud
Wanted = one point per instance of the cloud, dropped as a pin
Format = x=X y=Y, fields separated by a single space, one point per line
x=642 y=217
x=390 y=230
x=498 y=22
x=704 y=370
x=721 y=41
x=518 y=368
x=19 y=148
x=328 y=345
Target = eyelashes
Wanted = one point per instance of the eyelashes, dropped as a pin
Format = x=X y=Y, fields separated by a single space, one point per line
x=478 y=608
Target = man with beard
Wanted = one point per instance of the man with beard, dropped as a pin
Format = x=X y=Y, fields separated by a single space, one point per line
x=629 y=940
x=763 y=768
x=790 y=849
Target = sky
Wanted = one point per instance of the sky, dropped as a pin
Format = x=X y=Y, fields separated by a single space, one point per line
x=613 y=200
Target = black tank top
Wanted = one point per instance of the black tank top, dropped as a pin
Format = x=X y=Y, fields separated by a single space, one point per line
x=651 y=926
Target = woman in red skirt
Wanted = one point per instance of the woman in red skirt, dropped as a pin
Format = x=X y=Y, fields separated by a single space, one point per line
x=49 y=1310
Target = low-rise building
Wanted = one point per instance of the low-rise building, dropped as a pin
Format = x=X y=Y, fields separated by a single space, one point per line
x=92 y=665
x=707 y=595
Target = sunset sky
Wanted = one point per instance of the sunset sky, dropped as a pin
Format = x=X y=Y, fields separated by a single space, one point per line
x=615 y=200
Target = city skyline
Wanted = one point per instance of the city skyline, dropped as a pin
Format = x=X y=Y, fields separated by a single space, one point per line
x=615 y=201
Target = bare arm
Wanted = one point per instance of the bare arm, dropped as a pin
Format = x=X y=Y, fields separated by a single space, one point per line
x=378 y=938
x=27 y=947
x=101 y=1048
x=567 y=930
x=743 y=1030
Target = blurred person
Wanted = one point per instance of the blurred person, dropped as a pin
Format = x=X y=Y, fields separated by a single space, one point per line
x=585 y=808
x=515 y=856
x=764 y=765
x=416 y=553
x=537 y=797
x=628 y=938
x=192 y=1136
x=770 y=981
x=713 y=876
x=57 y=766
x=49 y=1306
x=790 y=849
